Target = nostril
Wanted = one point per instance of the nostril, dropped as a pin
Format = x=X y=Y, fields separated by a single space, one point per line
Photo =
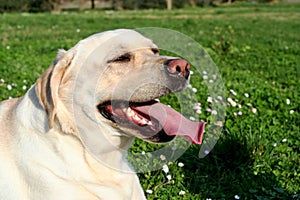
x=178 y=69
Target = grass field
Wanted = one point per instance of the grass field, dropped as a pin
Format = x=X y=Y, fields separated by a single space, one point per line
x=256 y=48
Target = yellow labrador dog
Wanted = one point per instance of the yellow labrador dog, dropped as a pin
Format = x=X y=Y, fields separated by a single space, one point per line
x=67 y=137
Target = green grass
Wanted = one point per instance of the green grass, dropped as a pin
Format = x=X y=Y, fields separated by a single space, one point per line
x=255 y=46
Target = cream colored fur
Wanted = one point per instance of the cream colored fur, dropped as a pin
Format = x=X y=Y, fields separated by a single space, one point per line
x=42 y=155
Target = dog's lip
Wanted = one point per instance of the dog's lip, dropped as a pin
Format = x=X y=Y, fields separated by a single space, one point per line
x=153 y=117
x=122 y=113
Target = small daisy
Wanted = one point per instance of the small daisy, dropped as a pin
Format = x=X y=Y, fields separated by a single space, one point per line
x=162 y=157
x=232 y=92
x=180 y=164
x=284 y=140
x=192 y=118
x=169 y=177
x=165 y=168
x=149 y=191
x=9 y=87
x=209 y=99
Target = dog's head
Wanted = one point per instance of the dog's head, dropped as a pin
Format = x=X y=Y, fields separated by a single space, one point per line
x=114 y=78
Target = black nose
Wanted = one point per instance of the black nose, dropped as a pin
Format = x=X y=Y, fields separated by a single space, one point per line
x=178 y=67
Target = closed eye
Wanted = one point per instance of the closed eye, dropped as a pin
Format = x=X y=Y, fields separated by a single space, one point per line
x=155 y=51
x=123 y=58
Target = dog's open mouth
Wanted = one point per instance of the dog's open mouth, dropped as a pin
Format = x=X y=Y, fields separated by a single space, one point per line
x=156 y=121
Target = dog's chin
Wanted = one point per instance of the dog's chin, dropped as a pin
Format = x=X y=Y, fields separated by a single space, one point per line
x=126 y=117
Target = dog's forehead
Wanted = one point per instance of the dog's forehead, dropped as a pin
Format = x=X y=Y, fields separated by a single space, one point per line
x=120 y=38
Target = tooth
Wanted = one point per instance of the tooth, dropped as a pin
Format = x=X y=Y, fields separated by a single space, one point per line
x=132 y=113
x=129 y=112
x=144 y=121
x=136 y=117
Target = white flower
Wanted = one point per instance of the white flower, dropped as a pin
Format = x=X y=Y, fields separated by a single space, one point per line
x=232 y=102
x=191 y=72
x=214 y=112
x=254 y=110
x=7 y=47
x=194 y=90
x=233 y=92
x=180 y=164
x=192 y=118
x=284 y=140
x=9 y=87
x=162 y=157
x=292 y=112
x=78 y=30
x=143 y=153
x=219 y=123
x=288 y=101
x=169 y=177
x=246 y=95
x=275 y=144
x=211 y=81
x=24 y=87
x=197 y=108
x=236 y=196
x=209 y=99
x=149 y=191
x=205 y=77
x=214 y=76
x=240 y=113
x=204 y=72
x=220 y=98
x=182 y=192
x=2 y=80
x=198 y=111
x=165 y=168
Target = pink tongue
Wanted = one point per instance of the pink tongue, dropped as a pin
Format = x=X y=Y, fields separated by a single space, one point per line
x=173 y=122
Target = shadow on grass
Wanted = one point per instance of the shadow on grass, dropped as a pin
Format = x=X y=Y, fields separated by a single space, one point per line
x=226 y=173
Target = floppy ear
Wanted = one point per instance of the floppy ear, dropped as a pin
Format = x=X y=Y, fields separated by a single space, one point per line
x=47 y=85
